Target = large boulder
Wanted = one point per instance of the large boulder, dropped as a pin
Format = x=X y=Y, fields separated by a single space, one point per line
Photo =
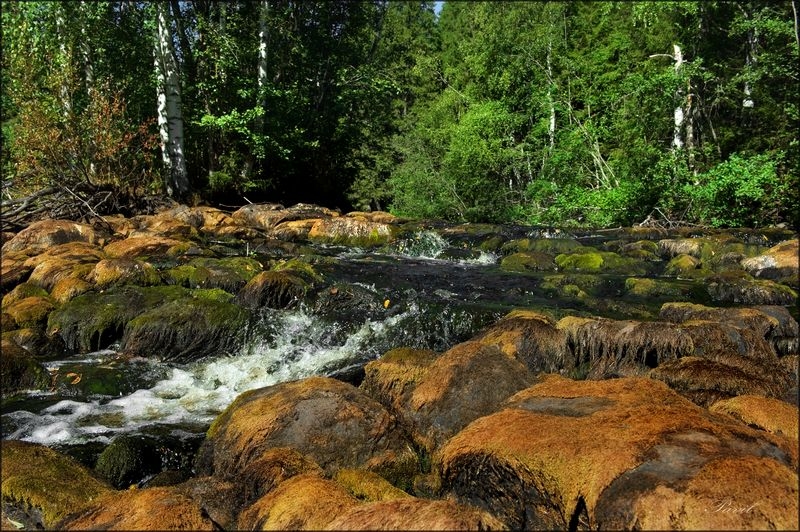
x=164 y=508
x=617 y=454
x=48 y=233
x=777 y=263
x=304 y=502
x=414 y=514
x=332 y=422
x=466 y=382
x=41 y=486
x=771 y=415
x=19 y=370
x=351 y=232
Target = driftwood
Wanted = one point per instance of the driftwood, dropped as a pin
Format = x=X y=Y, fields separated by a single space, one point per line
x=657 y=219
x=82 y=202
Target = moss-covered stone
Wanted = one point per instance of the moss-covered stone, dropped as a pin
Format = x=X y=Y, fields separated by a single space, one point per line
x=368 y=486
x=685 y=266
x=48 y=233
x=45 y=483
x=642 y=287
x=229 y=274
x=200 y=324
x=764 y=413
x=392 y=377
x=531 y=261
x=123 y=270
x=127 y=460
x=600 y=261
x=352 y=232
x=93 y=321
x=19 y=370
x=68 y=288
x=31 y=311
x=21 y=291
x=739 y=287
x=553 y=246
x=273 y=289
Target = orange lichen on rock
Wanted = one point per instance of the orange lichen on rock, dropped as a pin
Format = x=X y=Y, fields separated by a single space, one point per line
x=414 y=514
x=545 y=460
x=391 y=378
x=146 y=509
x=304 y=502
x=765 y=413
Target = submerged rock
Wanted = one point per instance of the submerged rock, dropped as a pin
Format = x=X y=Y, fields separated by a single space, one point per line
x=128 y=460
x=19 y=370
x=611 y=454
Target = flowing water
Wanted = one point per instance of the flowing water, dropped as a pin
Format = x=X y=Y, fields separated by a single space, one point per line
x=424 y=291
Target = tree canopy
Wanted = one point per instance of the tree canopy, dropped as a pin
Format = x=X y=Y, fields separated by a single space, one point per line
x=560 y=113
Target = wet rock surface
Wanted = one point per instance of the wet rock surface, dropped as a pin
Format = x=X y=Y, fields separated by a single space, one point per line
x=497 y=376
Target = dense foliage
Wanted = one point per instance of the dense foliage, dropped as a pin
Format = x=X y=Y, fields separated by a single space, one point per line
x=563 y=113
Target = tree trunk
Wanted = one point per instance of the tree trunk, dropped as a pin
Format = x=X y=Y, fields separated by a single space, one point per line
x=65 y=65
x=170 y=119
x=678 y=114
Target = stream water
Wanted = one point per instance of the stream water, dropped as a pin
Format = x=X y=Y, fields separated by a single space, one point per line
x=425 y=291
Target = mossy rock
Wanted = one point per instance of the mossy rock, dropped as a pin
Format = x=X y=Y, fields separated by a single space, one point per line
x=23 y=290
x=128 y=460
x=123 y=270
x=273 y=289
x=492 y=244
x=68 y=288
x=300 y=267
x=31 y=311
x=600 y=261
x=685 y=266
x=553 y=246
x=572 y=284
x=531 y=261
x=642 y=287
x=739 y=287
x=367 y=486
x=94 y=321
x=353 y=232
x=19 y=370
x=37 y=342
x=45 y=484
x=229 y=274
x=200 y=324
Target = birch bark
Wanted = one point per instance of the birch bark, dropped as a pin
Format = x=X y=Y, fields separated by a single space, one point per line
x=168 y=99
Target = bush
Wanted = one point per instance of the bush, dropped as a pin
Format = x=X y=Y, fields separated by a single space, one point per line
x=740 y=192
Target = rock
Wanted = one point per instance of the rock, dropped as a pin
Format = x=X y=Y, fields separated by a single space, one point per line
x=380 y=217
x=230 y=274
x=391 y=379
x=777 y=263
x=19 y=370
x=146 y=509
x=294 y=230
x=351 y=232
x=68 y=288
x=600 y=454
x=686 y=267
x=599 y=261
x=331 y=422
x=763 y=413
x=532 y=338
x=528 y=261
x=550 y=246
x=738 y=287
x=75 y=260
x=31 y=311
x=604 y=348
x=108 y=272
x=44 y=484
x=48 y=233
x=273 y=289
x=38 y=343
x=221 y=500
x=263 y=216
x=14 y=269
x=128 y=460
x=414 y=514
x=467 y=381
x=199 y=324
x=148 y=246
x=368 y=486
x=304 y=502
x=653 y=288
x=21 y=291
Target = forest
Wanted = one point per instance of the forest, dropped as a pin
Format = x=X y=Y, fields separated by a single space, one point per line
x=571 y=114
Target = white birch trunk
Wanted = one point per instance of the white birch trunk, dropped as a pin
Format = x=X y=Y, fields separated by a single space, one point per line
x=677 y=138
x=750 y=62
x=88 y=66
x=65 y=63
x=170 y=117
x=551 y=129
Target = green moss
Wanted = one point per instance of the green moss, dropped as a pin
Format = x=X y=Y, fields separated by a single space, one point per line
x=546 y=245
x=230 y=273
x=19 y=370
x=650 y=287
x=34 y=476
x=528 y=261
x=299 y=266
x=204 y=323
x=273 y=289
x=127 y=460
x=21 y=291
x=492 y=244
x=600 y=261
x=93 y=321
x=31 y=311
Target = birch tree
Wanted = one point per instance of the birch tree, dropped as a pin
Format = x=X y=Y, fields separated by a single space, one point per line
x=168 y=103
